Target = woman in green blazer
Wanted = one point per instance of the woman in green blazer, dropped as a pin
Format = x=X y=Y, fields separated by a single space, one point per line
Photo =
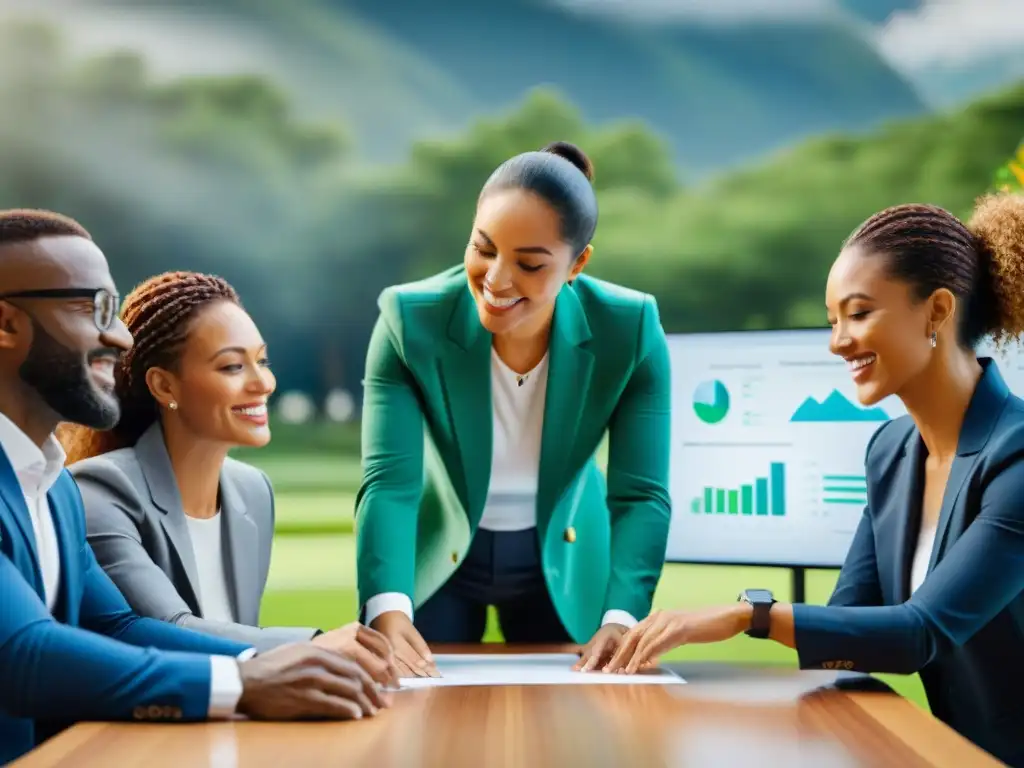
x=488 y=389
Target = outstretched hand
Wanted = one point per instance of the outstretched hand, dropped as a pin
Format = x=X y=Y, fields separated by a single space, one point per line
x=664 y=630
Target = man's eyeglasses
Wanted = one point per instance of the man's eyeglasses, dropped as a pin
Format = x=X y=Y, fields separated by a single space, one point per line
x=105 y=304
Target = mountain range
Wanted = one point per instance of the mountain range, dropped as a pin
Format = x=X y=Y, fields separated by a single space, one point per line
x=399 y=71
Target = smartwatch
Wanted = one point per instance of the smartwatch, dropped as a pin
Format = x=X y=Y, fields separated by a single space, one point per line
x=762 y=601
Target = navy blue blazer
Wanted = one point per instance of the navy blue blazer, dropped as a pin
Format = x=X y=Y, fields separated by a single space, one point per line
x=92 y=659
x=963 y=629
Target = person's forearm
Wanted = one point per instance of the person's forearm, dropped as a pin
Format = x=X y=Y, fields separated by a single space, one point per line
x=146 y=632
x=782 y=629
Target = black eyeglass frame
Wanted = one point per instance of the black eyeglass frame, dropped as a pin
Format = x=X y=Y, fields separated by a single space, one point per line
x=98 y=295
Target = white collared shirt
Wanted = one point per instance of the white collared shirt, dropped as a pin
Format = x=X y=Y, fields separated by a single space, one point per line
x=37 y=469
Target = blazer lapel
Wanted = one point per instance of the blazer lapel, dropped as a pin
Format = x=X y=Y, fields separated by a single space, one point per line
x=242 y=539
x=163 y=489
x=570 y=366
x=466 y=378
x=12 y=496
x=908 y=512
x=62 y=501
x=981 y=417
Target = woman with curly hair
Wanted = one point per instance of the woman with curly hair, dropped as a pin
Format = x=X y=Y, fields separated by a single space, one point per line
x=183 y=530
x=933 y=582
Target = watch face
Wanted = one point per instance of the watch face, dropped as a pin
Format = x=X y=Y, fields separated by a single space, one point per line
x=759 y=595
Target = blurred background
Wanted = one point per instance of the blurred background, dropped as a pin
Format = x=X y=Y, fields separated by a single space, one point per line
x=314 y=151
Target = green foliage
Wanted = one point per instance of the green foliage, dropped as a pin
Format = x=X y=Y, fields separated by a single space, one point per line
x=222 y=174
x=1010 y=176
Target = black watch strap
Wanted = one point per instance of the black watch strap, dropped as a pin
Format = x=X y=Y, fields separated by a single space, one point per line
x=761 y=600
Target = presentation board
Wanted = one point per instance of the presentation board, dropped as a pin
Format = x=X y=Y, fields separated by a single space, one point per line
x=768 y=442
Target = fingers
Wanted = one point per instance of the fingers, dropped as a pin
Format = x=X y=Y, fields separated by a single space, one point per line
x=376 y=642
x=650 y=645
x=404 y=670
x=624 y=652
x=407 y=658
x=595 y=654
x=348 y=674
x=419 y=655
x=326 y=705
x=379 y=669
x=628 y=646
x=419 y=645
x=379 y=644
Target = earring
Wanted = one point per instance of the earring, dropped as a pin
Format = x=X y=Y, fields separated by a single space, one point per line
x=935 y=339
x=174 y=406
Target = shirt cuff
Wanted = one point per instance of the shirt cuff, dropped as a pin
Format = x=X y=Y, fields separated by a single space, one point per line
x=388 y=601
x=619 y=617
x=226 y=684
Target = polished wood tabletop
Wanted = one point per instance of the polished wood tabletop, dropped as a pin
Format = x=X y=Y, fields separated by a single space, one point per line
x=723 y=716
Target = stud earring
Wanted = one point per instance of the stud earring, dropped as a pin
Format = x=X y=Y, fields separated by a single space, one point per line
x=174 y=406
x=935 y=339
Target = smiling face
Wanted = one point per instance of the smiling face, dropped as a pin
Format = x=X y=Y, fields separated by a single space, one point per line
x=517 y=262
x=222 y=379
x=61 y=353
x=880 y=327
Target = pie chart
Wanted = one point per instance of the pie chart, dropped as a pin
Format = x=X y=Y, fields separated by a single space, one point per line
x=711 y=401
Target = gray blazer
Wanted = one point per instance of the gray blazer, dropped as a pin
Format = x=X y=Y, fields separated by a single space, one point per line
x=137 y=528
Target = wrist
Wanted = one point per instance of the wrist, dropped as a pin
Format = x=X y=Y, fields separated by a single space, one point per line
x=743 y=613
x=244 y=678
x=757 y=605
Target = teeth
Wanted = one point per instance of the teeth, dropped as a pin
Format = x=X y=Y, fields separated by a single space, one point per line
x=259 y=410
x=860 y=362
x=494 y=301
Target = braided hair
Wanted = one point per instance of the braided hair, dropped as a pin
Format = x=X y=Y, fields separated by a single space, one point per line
x=158 y=313
x=981 y=263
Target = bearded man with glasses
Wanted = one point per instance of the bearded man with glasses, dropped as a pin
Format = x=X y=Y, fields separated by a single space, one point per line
x=70 y=647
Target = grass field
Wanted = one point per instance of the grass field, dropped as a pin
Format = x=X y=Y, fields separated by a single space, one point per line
x=312 y=576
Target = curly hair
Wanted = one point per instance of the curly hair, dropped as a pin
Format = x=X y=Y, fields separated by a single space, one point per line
x=981 y=262
x=158 y=314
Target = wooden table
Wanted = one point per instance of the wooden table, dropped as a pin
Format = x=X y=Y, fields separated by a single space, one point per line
x=725 y=716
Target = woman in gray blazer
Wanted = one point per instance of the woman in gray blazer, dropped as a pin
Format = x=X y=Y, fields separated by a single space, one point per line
x=184 y=531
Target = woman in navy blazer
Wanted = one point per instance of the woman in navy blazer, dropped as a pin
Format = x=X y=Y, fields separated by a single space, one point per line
x=934 y=578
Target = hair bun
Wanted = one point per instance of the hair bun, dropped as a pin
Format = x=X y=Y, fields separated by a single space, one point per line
x=998 y=226
x=574 y=155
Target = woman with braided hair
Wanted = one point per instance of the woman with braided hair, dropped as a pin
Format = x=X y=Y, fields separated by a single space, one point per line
x=184 y=531
x=933 y=582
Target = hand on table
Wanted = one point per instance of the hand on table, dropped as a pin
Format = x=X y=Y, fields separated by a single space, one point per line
x=367 y=647
x=303 y=681
x=601 y=647
x=412 y=656
x=665 y=630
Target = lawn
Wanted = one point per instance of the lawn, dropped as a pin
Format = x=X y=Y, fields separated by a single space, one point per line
x=312 y=578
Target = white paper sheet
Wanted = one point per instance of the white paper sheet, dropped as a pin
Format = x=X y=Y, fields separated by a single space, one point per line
x=527 y=669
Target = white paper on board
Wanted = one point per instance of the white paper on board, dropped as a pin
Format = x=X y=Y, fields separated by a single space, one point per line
x=527 y=669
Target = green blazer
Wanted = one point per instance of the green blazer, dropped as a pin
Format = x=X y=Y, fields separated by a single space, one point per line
x=427 y=442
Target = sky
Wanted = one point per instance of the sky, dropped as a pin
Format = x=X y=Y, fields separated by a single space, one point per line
x=939 y=46
x=939 y=38
x=953 y=32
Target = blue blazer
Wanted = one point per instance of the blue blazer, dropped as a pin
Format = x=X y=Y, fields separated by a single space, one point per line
x=92 y=659
x=963 y=629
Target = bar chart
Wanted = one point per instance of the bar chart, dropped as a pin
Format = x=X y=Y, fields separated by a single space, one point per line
x=763 y=497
